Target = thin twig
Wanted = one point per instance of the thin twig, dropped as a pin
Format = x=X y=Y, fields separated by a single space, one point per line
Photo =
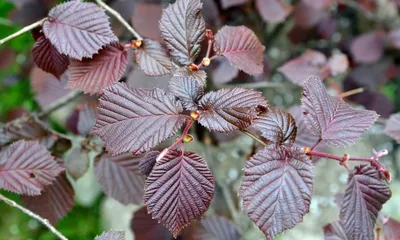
x=23 y=30
x=231 y=205
x=119 y=18
x=59 y=103
x=33 y=215
x=253 y=137
x=351 y=92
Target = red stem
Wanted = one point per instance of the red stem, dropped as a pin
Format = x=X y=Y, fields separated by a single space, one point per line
x=178 y=141
x=209 y=48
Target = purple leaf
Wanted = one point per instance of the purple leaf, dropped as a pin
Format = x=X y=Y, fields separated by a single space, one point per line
x=26 y=130
x=299 y=69
x=47 y=87
x=303 y=137
x=365 y=194
x=276 y=126
x=391 y=229
x=77 y=163
x=277 y=188
x=224 y=72
x=111 y=235
x=86 y=119
x=182 y=28
x=273 y=11
x=307 y=17
x=334 y=231
x=87 y=22
x=232 y=3
x=216 y=228
x=227 y=110
x=46 y=57
x=146 y=228
x=334 y=121
x=152 y=58
x=179 y=189
x=241 y=47
x=199 y=75
x=55 y=201
x=135 y=120
x=26 y=167
x=188 y=90
x=368 y=47
x=147 y=162
x=93 y=75
x=120 y=178
x=393 y=127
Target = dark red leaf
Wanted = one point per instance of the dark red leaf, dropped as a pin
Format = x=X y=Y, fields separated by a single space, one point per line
x=393 y=127
x=182 y=28
x=135 y=120
x=232 y=3
x=145 y=19
x=188 y=90
x=77 y=163
x=152 y=58
x=299 y=69
x=306 y=16
x=303 y=137
x=147 y=162
x=26 y=130
x=46 y=86
x=199 y=75
x=277 y=126
x=277 y=188
x=78 y=29
x=86 y=118
x=26 y=167
x=93 y=75
x=391 y=229
x=334 y=231
x=368 y=47
x=224 y=72
x=241 y=47
x=365 y=194
x=146 y=228
x=54 y=202
x=216 y=228
x=46 y=57
x=273 y=11
x=111 y=235
x=120 y=178
x=227 y=110
x=179 y=189
x=334 y=121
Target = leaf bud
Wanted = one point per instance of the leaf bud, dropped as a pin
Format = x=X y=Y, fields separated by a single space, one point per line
x=194 y=115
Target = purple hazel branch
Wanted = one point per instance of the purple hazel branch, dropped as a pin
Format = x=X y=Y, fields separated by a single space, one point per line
x=373 y=160
x=23 y=30
x=184 y=138
x=33 y=215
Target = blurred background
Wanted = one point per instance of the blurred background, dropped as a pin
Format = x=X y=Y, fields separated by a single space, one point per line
x=351 y=44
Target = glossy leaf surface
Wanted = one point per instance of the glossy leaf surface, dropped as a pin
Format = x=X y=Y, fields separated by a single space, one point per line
x=86 y=23
x=334 y=121
x=26 y=167
x=179 y=189
x=277 y=188
x=135 y=120
x=152 y=58
x=227 y=110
